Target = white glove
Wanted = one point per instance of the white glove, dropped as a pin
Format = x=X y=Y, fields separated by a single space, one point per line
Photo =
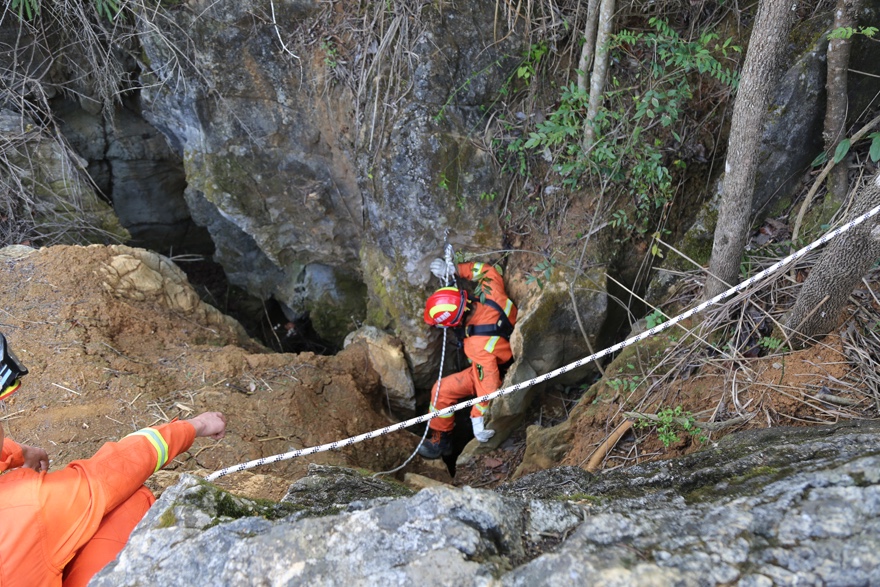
x=481 y=433
x=442 y=269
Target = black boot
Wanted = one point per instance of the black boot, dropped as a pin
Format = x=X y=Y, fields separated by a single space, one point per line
x=435 y=445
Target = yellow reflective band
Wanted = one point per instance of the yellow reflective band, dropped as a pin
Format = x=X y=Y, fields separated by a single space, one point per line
x=10 y=389
x=433 y=409
x=158 y=442
x=481 y=408
x=442 y=308
x=490 y=346
x=478 y=268
x=508 y=307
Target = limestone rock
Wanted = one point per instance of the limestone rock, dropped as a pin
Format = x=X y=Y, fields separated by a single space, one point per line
x=59 y=192
x=774 y=506
x=329 y=489
x=387 y=357
x=545 y=448
x=286 y=172
x=131 y=161
x=12 y=252
x=792 y=131
x=139 y=274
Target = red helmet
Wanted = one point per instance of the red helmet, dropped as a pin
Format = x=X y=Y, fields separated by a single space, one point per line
x=445 y=307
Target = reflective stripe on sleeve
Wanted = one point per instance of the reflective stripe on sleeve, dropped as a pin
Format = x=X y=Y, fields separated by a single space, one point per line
x=158 y=442
x=482 y=407
x=490 y=346
x=451 y=415
x=508 y=307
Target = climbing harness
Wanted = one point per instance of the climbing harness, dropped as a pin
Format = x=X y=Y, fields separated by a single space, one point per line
x=502 y=327
x=556 y=372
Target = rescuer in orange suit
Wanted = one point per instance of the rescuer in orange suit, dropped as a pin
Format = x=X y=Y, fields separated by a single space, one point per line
x=61 y=528
x=484 y=322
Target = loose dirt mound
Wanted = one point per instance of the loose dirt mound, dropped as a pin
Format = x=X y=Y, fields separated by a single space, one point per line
x=794 y=389
x=115 y=340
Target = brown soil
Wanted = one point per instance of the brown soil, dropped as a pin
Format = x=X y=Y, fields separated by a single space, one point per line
x=105 y=361
x=103 y=365
x=808 y=387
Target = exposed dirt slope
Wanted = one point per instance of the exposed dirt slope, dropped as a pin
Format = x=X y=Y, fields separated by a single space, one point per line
x=115 y=340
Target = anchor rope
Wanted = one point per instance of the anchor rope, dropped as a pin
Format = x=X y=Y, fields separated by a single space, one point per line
x=556 y=372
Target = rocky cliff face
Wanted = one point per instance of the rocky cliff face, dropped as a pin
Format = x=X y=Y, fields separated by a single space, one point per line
x=772 y=507
x=309 y=197
x=329 y=152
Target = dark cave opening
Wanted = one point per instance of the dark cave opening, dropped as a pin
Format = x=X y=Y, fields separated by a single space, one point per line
x=263 y=320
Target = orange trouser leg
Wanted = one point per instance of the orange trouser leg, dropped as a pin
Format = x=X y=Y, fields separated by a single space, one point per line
x=453 y=389
x=111 y=536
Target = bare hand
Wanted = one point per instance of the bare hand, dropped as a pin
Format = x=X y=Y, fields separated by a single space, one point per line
x=35 y=458
x=210 y=424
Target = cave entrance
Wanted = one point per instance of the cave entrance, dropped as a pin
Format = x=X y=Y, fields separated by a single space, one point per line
x=263 y=320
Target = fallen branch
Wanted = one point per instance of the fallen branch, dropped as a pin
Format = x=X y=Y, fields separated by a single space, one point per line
x=599 y=454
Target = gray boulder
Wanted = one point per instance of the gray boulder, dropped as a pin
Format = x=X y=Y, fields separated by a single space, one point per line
x=778 y=506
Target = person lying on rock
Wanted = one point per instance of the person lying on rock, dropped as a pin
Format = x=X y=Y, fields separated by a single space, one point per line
x=62 y=527
x=484 y=321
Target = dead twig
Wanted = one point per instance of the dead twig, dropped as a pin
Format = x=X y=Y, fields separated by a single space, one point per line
x=609 y=443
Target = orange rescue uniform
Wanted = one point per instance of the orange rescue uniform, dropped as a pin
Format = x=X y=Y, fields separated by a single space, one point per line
x=62 y=527
x=485 y=353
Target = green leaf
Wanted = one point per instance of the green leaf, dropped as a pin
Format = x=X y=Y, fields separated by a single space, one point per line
x=841 y=151
x=820 y=159
x=874 y=152
x=842 y=33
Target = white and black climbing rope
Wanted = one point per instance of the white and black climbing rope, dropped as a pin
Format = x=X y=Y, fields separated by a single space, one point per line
x=556 y=372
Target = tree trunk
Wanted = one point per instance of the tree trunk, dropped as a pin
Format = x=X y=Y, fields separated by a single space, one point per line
x=845 y=15
x=589 y=48
x=600 y=69
x=843 y=264
x=766 y=45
